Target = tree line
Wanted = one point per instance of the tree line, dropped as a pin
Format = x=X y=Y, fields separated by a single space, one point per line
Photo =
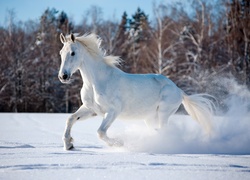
x=192 y=47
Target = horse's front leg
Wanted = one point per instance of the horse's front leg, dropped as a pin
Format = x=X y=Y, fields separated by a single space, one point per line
x=102 y=131
x=81 y=114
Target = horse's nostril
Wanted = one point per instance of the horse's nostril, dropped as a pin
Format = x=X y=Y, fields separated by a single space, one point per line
x=65 y=76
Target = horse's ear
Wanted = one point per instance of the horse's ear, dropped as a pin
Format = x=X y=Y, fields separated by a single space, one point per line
x=72 y=37
x=62 y=38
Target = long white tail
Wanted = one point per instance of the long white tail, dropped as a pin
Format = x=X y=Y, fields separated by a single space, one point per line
x=200 y=108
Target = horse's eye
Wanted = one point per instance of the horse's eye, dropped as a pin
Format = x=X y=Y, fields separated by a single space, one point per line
x=72 y=53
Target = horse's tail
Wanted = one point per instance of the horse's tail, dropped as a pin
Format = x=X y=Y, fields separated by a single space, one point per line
x=201 y=108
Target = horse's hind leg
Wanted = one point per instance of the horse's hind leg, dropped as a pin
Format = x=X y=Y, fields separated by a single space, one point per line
x=81 y=114
x=168 y=106
x=164 y=114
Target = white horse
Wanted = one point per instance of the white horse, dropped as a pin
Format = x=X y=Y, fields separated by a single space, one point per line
x=111 y=93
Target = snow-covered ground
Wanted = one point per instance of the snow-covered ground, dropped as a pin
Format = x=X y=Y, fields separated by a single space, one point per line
x=31 y=148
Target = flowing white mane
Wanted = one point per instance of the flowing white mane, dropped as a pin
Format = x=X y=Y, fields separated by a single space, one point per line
x=92 y=43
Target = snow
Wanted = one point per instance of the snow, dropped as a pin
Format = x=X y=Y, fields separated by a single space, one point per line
x=31 y=148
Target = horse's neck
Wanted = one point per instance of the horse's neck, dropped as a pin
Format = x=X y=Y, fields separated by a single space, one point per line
x=95 y=72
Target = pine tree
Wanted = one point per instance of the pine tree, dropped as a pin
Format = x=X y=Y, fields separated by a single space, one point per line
x=63 y=23
x=138 y=25
x=139 y=35
x=122 y=42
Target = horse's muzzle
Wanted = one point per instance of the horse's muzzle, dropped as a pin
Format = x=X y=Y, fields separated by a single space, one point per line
x=64 y=78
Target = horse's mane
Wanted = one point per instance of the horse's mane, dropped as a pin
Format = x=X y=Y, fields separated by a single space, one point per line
x=92 y=44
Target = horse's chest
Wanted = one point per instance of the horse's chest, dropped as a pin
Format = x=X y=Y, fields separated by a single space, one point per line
x=94 y=101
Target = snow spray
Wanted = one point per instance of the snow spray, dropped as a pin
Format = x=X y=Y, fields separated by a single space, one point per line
x=185 y=136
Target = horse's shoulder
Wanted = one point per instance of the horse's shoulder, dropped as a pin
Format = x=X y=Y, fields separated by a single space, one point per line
x=86 y=92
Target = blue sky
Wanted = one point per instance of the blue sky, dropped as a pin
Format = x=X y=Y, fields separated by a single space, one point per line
x=75 y=9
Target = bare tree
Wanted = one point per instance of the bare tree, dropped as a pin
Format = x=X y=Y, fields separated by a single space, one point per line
x=238 y=30
x=163 y=40
x=95 y=15
x=198 y=42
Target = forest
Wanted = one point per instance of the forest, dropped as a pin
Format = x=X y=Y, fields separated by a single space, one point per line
x=195 y=48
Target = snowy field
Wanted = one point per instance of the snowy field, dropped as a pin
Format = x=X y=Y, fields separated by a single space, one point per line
x=31 y=148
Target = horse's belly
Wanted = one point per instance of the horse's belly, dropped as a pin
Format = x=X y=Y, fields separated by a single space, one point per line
x=137 y=114
x=141 y=109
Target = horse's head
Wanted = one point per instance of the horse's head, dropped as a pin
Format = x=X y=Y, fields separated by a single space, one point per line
x=70 y=60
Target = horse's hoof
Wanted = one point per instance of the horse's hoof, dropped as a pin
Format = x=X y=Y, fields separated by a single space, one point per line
x=115 y=143
x=69 y=148
x=118 y=144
